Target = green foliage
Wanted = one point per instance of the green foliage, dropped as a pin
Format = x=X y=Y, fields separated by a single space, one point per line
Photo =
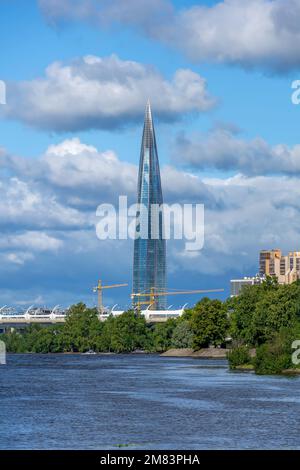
x=242 y=316
x=275 y=355
x=271 y=359
x=182 y=336
x=81 y=329
x=127 y=333
x=82 y=332
x=265 y=316
x=15 y=342
x=260 y=311
x=162 y=334
x=209 y=323
x=238 y=357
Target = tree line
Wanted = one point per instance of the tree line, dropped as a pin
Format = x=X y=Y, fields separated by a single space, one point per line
x=205 y=324
x=264 y=317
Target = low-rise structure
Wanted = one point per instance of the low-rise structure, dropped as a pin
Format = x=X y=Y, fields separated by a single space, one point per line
x=236 y=285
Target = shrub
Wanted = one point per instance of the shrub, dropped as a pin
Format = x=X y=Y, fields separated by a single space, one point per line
x=276 y=355
x=238 y=357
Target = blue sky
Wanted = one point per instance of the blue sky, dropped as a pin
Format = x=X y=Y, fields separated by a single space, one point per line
x=234 y=138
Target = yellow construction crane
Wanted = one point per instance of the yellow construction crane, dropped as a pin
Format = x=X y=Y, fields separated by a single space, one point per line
x=152 y=294
x=99 y=288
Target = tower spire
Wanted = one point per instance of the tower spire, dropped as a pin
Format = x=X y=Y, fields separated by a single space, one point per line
x=148 y=115
x=148 y=107
x=149 y=271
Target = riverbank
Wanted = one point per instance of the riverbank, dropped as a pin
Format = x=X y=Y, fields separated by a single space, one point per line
x=291 y=372
x=204 y=353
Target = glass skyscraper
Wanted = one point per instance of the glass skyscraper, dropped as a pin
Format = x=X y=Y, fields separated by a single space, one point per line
x=149 y=265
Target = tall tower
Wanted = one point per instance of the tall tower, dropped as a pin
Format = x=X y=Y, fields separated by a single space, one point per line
x=149 y=264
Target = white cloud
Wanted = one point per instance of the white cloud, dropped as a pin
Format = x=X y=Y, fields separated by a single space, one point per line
x=23 y=205
x=19 y=258
x=31 y=240
x=83 y=177
x=106 y=93
x=146 y=14
x=76 y=165
x=223 y=149
x=54 y=246
x=257 y=213
x=250 y=33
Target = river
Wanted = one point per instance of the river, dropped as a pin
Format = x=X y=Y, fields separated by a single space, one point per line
x=143 y=402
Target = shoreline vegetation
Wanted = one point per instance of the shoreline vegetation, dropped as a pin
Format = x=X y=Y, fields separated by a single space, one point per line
x=254 y=331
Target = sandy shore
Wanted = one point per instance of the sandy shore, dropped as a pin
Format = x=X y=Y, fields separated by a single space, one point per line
x=291 y=372
x=207 y=353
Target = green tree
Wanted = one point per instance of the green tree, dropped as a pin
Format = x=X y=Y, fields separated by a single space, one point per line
x=46 y=340
x=183 y=335
x=242 y=310
x=209 y=323
x=276 y=309
x=162 y=334
x=129 y=332
x=241 y=325
x=81 y=329
x=14 y=342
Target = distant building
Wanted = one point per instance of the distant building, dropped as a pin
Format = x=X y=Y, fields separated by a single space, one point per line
x=269 y=262
x=285 y=268
x=236 y=285
x=149 y=266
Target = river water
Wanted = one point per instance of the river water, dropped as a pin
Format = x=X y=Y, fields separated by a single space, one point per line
x=143 y=402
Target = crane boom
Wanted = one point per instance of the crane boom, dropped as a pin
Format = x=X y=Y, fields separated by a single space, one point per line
x=99 y=289
x=114 y=285
x=150 y=296
x=200 y=291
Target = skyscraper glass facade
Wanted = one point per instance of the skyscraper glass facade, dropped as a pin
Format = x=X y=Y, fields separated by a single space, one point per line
x=149 y=266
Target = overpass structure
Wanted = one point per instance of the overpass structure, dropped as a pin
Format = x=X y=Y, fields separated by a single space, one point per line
x=11 y=319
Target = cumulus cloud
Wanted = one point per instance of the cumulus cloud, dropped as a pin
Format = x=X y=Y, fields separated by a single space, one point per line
x=223 y=149
x=50 y=240
x=257 y=213
x=83 y=177
x=18 y=249
x=33 y=240
x=22 y=205
x=103 y=93
x=146 y=14
x=252 y=33
x=71 y=174
x=72 y=164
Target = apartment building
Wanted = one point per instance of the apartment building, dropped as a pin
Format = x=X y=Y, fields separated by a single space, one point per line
x=285 y=268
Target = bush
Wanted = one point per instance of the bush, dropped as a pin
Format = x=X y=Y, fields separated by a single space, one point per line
x=238 y=357
x=276 y=355
x=270 y=361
